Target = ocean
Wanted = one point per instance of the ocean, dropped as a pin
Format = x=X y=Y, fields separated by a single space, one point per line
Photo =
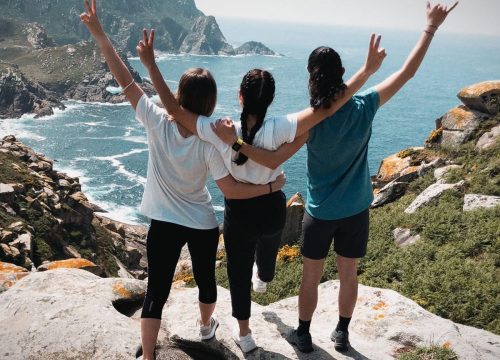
x=106 y=147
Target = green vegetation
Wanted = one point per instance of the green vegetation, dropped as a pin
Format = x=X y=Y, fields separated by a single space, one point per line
x=429 y=353
x=453 y=271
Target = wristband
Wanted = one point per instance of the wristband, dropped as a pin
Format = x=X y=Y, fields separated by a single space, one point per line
x=126 y=87
x=237 y=144
x=429 y=32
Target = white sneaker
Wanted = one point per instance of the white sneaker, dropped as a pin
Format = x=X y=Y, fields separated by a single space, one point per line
x=246 y=343
x=258 y=285
x=208 y=332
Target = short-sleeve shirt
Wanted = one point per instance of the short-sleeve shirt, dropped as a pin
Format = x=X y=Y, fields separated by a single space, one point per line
x=339 y=182
x=274 y=132
x=178 y=169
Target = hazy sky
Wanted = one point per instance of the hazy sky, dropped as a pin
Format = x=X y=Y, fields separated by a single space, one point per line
x=471 y=16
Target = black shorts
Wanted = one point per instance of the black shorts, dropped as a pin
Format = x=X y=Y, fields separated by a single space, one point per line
x=349 y=236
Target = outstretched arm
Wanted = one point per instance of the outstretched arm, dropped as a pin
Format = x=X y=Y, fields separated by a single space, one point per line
x=309 y=118
x=436 y=15
x=233 y=189
x=121 y=73
x=146 y=54
x=271 y=159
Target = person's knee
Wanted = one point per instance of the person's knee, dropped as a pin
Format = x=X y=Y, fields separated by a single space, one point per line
x=347 y=269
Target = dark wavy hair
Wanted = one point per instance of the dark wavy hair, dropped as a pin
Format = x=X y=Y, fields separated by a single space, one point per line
x=257 y=91
x=197 y=91
x=325 y=77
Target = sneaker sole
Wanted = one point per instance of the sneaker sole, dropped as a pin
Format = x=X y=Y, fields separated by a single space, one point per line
x=211 y=336
x=243 y=351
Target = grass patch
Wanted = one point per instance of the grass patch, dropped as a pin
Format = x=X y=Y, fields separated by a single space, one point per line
x=429 y=353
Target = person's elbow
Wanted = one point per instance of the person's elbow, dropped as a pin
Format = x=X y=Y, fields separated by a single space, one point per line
x=408 y=73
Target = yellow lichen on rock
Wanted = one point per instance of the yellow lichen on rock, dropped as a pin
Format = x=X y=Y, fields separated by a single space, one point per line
x=288 y=253
x=70 y=264
x=11 y=268
x=479 y=89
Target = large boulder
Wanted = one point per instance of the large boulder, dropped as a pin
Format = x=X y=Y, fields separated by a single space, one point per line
x=384 y=323
x=292 y=232
x=476 y=201
x=484 y=97
x=77 y=263
x=10 y=274
x=70 y=314
x=488 y=139
x=432 y=192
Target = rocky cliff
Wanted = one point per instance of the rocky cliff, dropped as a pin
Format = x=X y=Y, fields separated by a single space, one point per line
x=433 y=239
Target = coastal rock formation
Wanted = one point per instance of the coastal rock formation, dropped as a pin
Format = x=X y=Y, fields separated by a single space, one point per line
x=180 y=26
x=42 y=308
x=383 y=317
x=206 y=38
x=431 y=193
x=476 y=201
x=10 y=274
x=19 y=95
x=37 y=36
x=46 y=217
x=483 y=97
x=292 y=233
x=254 y=48
x=488 y=139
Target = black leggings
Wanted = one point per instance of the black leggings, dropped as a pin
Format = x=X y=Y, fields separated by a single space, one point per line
x=252 y=232
x=164 y=243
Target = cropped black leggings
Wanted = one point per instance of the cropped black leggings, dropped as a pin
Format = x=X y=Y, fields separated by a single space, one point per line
x=252 y=233
x=164 y=244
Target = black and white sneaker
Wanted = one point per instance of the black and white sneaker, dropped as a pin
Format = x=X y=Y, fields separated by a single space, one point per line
x=303 y=342
x=341 y=340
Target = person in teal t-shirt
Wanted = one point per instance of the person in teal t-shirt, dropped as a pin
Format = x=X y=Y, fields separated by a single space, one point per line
x=339 y=191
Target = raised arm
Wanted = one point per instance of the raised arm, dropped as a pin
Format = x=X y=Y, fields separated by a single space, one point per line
x=309 y=118
x=233 y=189
x=436 y=15
x=147 y=56
x=121 y=73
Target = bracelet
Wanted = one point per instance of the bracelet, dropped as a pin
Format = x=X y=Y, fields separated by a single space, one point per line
x=270 y=188
x=433 y=26
x=129 y=85
x=429 y=32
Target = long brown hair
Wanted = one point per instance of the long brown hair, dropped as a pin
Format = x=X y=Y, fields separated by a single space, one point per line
x=197 y=91
x=257 y=90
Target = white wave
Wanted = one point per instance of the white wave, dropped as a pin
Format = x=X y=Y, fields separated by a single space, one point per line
x=137 y=139
x=17 y=128
x=218 y=208
x=120 y=167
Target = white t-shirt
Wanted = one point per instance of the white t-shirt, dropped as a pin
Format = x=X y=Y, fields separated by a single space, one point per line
x=178 y=169
x=275 y=131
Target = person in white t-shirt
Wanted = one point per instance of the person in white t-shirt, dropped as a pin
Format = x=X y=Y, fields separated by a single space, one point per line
x=253 y=227
x=175 y=196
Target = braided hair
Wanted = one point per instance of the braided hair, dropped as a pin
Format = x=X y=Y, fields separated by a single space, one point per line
x=257 y=90
x=325 y=77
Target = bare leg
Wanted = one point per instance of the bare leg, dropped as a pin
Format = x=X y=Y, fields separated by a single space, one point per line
x=206 y=311
x=308 y=294
x=348 y=294
x=149 y=335
x=244 y=327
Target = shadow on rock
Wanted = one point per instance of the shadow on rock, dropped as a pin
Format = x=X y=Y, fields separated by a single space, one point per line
x=318 y=353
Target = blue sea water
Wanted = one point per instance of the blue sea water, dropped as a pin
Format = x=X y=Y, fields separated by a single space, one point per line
x=106 y=147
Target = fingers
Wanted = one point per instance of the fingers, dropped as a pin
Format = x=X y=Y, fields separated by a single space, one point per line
x=94 y=7
x=377 y=42
x=372 y=41
x=144 y=36
x=87 y=6
x=151 y=37
x=428 y=5
x=453 y=7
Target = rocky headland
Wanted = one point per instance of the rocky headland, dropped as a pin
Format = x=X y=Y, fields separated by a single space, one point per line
x=46 y=54
x=431 y=272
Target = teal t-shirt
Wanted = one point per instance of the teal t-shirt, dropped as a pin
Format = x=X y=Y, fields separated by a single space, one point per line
x=339 y=183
